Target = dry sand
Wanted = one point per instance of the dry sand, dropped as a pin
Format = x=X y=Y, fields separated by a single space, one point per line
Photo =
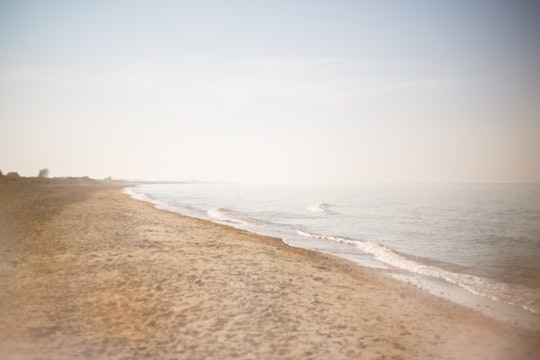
x=87 y=272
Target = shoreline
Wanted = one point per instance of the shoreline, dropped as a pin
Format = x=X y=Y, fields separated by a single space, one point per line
x=440 y=287
x=90 y=272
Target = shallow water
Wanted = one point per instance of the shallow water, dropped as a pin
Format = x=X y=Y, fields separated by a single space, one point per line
x=482 y=238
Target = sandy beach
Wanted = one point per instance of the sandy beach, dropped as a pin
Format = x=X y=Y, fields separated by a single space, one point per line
x=87 y=272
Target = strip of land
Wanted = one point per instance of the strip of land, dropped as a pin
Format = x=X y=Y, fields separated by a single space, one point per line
x=87 y=272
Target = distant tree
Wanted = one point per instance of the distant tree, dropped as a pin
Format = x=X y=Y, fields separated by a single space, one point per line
x=1 y=173
x=13 y=174
x=43 y=173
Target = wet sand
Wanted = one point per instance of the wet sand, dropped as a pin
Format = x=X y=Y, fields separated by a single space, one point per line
x=87 y=272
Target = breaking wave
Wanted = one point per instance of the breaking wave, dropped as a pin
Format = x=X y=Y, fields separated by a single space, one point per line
x=131 y=191
x=319 y=208
x=474 y=284
x=235 y=217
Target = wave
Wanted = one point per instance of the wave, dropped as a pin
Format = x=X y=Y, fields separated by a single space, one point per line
x=526 y=298
x=132 y=191
x=319 y=208
x=235 y=217
x=494 y=290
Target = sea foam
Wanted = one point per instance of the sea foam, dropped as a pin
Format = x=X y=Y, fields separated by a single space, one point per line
x=235 y=217
x=319 y=208
x=131 y=191
x=477 y=285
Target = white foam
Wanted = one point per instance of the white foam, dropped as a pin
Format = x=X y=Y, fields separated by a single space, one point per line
x=234 y=217
x=474 y=284
x=132 y=191
x=319 y=208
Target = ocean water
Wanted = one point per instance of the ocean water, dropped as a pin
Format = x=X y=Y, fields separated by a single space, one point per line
x=477 y=244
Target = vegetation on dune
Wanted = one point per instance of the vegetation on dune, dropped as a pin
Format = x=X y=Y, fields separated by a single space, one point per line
x=43 y=173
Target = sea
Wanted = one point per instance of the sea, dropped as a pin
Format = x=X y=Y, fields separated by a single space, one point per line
x=477 y=245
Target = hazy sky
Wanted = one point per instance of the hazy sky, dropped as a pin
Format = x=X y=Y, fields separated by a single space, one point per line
x=363 y=91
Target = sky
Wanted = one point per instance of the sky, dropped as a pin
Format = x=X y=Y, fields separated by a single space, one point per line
x=272 y=91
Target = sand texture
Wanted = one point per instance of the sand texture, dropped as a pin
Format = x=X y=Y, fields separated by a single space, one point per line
x=88 y=273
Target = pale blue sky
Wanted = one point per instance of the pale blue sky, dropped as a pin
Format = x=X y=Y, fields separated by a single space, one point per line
x=350 y=91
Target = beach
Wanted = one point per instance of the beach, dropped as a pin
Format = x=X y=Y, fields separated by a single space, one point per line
x=88 y=272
